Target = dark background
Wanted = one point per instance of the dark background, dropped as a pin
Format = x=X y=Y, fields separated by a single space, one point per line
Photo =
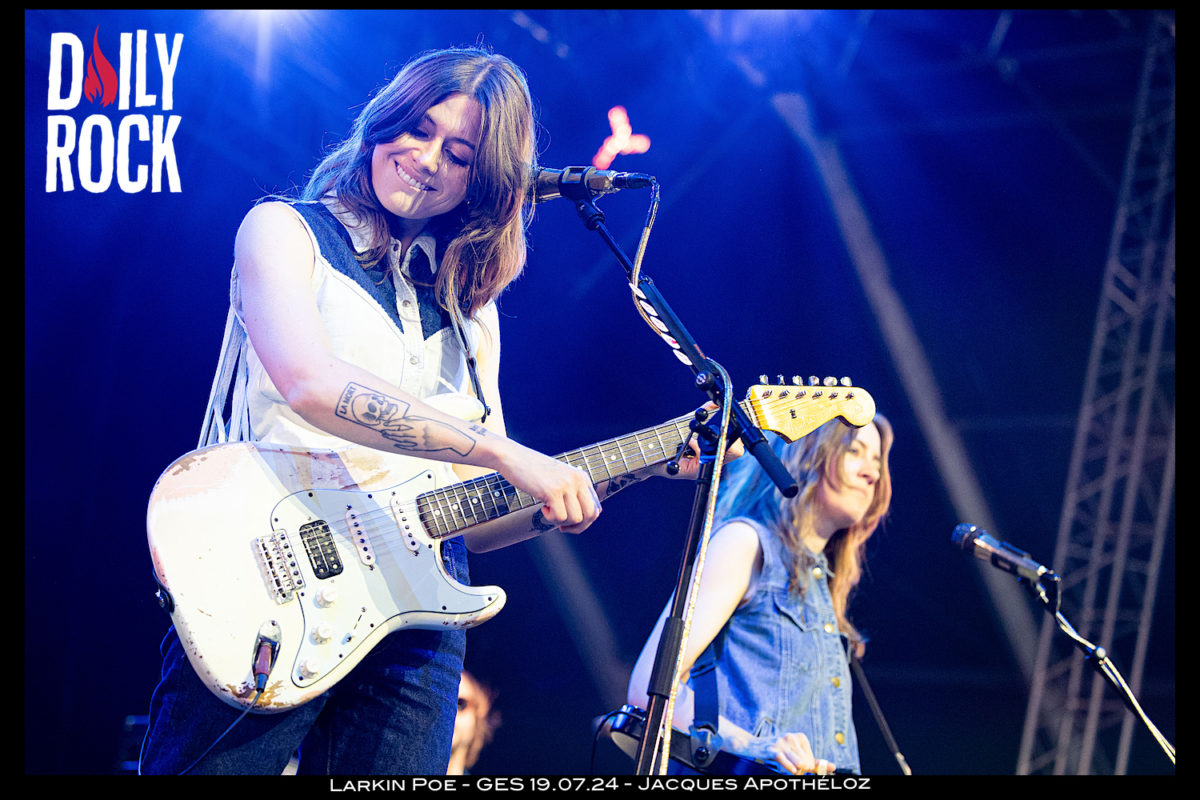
x=990 y=178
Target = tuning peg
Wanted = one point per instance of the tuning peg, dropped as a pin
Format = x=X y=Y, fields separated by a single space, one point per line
x=763 y=379
x=781 y=381
x=796 y=380
x=847 y=382
x=813 y=380
x=831 y=381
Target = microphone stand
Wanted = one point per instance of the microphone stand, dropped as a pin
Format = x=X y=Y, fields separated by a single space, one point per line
x=860 y=678
x=1049 y=596
x=708 y=378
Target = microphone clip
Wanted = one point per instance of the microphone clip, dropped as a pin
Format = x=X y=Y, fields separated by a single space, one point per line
x=1045 y=589
x=573 y=184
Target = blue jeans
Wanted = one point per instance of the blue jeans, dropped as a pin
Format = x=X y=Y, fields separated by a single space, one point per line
x=392 y=715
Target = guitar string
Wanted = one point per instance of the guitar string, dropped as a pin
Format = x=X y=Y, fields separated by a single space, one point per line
x=436 y=510
x=446 y=502
x=647 y=445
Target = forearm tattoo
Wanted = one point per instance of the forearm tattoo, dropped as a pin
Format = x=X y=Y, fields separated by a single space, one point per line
x=539 y=523
x=619 y=482
x=390 y=417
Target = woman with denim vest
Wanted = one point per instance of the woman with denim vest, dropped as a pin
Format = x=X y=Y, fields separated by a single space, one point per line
x=769 y=632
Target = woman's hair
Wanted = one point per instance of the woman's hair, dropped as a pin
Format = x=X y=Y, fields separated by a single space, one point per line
x=482 y=241
x=747 y=491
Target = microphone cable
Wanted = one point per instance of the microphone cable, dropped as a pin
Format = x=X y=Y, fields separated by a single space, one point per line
x=635 y=274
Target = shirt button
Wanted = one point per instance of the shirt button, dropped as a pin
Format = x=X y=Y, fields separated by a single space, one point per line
x=840 y=737
x=414 y=360
x=406 y=303
x=817 y=572
x=829 y=627
x=837 y=682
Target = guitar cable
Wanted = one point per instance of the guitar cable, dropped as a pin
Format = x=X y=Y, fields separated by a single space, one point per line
x=600 y=723
x=264 y=660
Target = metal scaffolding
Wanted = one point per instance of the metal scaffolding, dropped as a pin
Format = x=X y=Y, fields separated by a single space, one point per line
x=1118 y=512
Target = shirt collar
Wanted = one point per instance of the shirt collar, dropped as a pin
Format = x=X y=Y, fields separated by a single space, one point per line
x=360 y=236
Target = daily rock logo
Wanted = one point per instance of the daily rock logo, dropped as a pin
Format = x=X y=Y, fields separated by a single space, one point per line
x=98 y=149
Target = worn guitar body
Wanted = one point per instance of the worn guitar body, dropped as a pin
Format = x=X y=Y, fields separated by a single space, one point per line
x=319 y=553
x=283 y=567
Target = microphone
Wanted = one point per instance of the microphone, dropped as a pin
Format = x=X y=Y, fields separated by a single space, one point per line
x=549 y=184
x=999 y=554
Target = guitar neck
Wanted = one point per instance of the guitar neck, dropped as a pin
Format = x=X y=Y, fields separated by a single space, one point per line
x=448 y=511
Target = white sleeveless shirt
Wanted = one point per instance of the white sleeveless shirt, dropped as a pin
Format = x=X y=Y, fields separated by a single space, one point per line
x=361 y=333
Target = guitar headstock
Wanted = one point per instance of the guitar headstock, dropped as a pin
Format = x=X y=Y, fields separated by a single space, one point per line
x=797 y=409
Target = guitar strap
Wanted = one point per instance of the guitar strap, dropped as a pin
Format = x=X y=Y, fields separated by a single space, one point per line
x=705 y=740
x=460 y=331
x=231 y=372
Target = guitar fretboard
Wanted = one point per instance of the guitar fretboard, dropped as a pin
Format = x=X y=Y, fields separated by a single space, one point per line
x=447 y=511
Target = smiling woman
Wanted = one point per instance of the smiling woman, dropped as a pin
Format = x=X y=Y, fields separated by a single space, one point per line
x=767 y=652
x=424 y=173
x=364 y=328
x=358 y=314
x=439 y=95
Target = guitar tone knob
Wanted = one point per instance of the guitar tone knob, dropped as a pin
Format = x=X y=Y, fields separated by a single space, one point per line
x=310 y=668
x=326 y=597
x=322 y=633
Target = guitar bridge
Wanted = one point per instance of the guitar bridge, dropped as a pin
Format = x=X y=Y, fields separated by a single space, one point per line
x=278 y=565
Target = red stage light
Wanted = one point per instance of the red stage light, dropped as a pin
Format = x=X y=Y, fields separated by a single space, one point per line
x=623 y=140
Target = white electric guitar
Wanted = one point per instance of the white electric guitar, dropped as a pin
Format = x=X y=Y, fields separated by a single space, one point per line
x=282 y=567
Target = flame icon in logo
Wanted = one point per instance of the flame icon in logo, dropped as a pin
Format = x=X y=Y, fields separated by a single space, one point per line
x=101 y=80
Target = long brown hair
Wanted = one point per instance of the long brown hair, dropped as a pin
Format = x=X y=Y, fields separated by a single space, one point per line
x=746 y=491
x=482 y=241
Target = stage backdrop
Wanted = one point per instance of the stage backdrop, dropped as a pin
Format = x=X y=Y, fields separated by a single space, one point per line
x=987 y=172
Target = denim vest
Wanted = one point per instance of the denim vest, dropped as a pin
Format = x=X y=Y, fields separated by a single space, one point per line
x=781 y=663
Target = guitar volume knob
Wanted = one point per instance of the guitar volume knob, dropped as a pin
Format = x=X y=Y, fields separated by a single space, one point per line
x=310 y=668
x=326 y=597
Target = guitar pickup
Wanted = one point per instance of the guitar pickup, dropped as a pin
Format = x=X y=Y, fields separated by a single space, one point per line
x=402 y=512
x=321 y=549
x=362 y=542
